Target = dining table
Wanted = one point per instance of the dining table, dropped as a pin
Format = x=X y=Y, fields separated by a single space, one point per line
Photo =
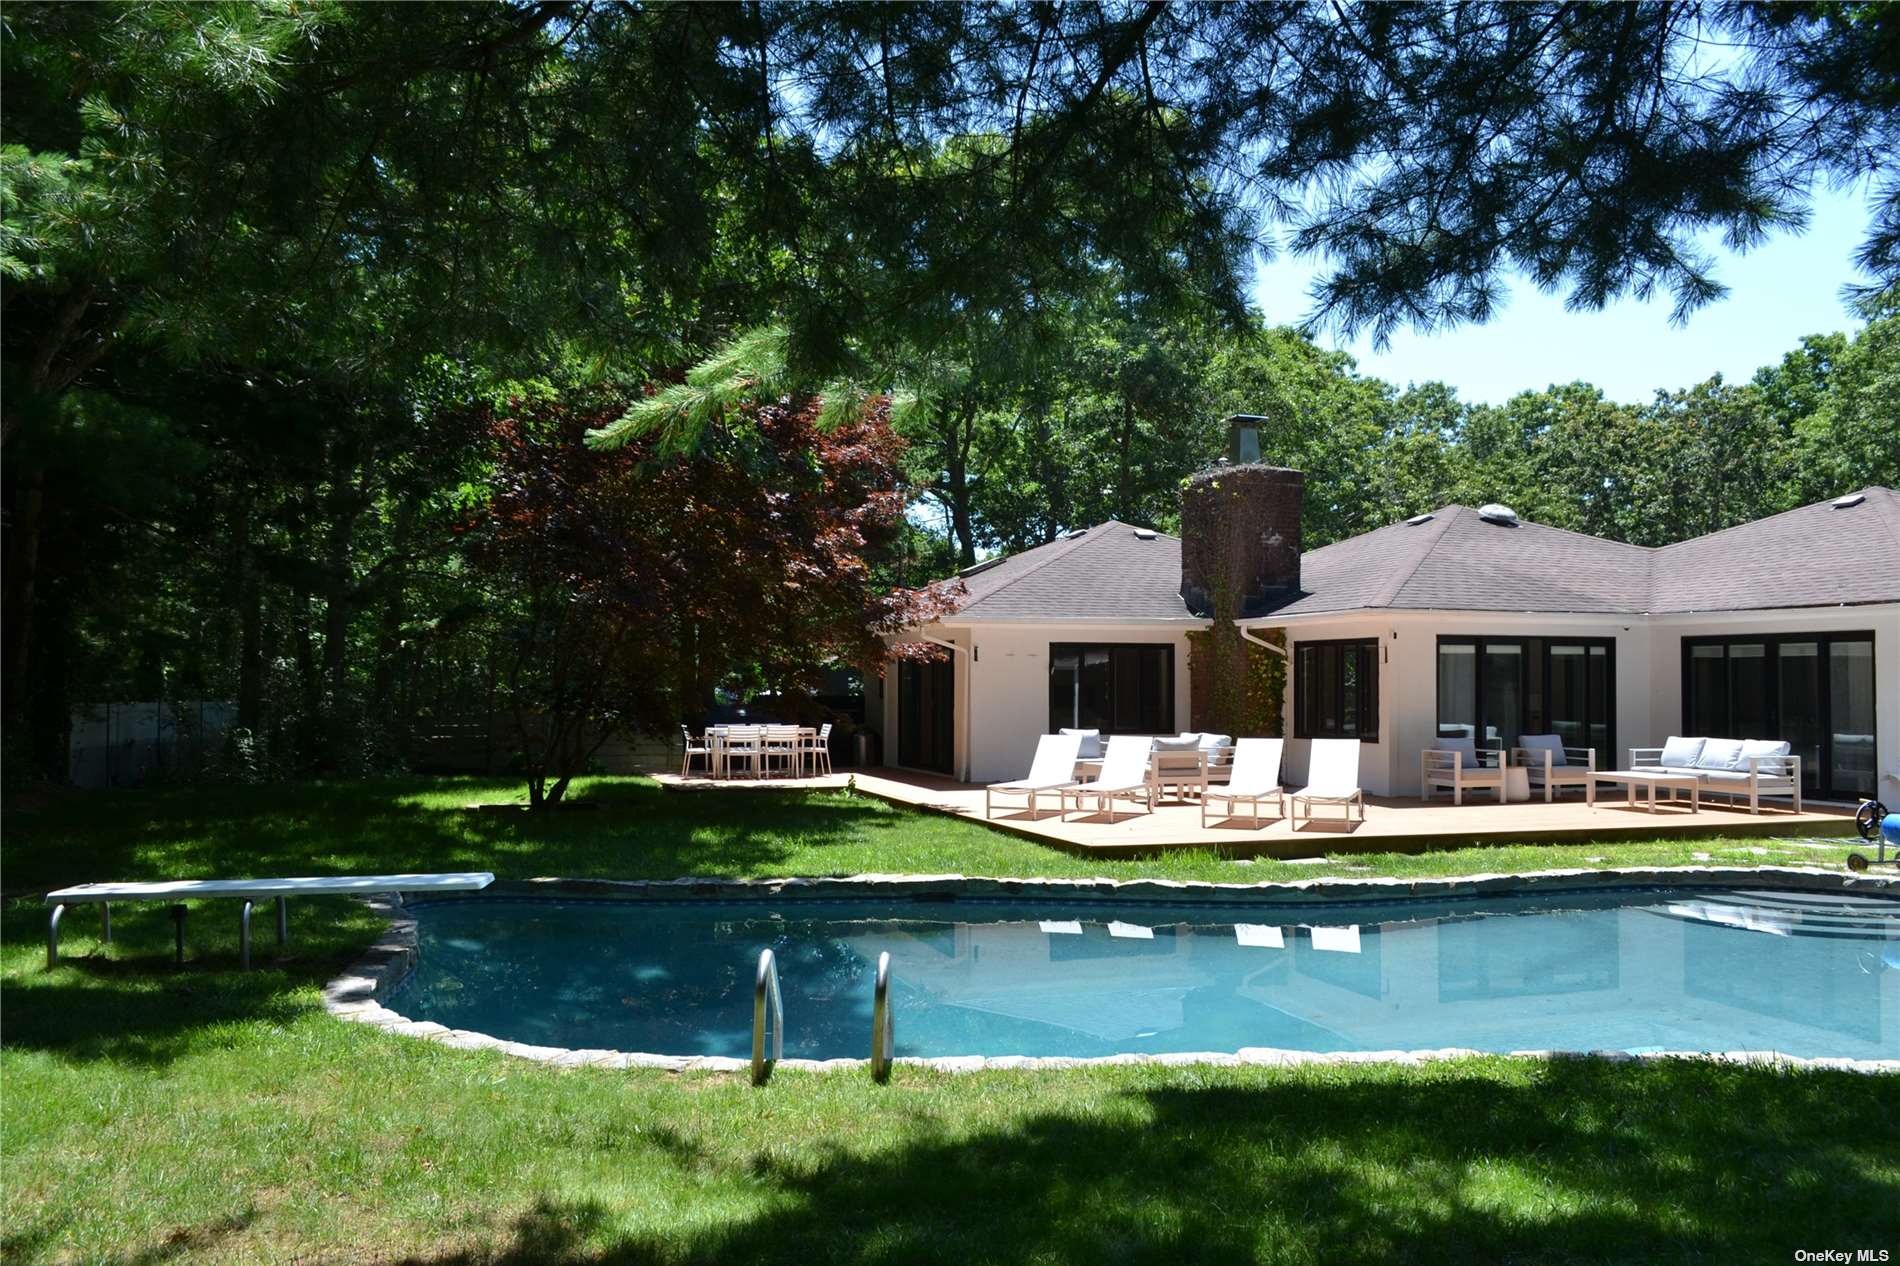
x=759 y=747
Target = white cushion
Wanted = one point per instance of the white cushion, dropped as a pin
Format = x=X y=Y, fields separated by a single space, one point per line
x=1720 y=775
x=1759 y=748
x=1212 y=741
x=1188 y=743
x=1717 y=754
x=1552 y=743
x=1091 y=748
x=1680 y=753
x=1465 y=745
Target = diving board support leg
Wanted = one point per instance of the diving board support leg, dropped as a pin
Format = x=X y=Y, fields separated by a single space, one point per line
x=244 y=936
x=105 y=922
x=283 y=920
x=52 y=936
x=178 y=931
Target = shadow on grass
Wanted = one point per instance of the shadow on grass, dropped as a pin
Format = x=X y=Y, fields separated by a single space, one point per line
x=1586 y=1162
x=417 y=824
x=131 y=1003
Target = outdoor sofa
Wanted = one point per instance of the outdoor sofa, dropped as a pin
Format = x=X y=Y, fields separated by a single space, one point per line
x=1730 y=767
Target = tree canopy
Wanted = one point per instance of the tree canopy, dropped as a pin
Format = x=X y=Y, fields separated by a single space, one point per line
x=262 y=263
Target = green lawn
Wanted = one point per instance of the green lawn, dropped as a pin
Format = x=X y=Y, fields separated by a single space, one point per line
x=199 y=1114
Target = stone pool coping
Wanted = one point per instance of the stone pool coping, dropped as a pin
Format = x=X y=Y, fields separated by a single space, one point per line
x=358 y=995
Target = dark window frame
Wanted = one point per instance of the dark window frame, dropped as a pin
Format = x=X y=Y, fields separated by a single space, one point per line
x=1305 y=724
x=1534 y=686
x=1167 y=708
x=1821 y=787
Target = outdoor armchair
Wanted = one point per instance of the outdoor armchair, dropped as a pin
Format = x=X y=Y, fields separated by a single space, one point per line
x=1548 y=763
x=1457 y=763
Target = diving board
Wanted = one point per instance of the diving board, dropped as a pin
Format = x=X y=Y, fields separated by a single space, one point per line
x=176 y=890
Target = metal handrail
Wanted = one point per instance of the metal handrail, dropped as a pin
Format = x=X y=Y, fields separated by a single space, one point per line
x=883 y=1026
x=765 y=990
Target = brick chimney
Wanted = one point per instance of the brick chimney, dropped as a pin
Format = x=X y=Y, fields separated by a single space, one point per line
x=1240 y=530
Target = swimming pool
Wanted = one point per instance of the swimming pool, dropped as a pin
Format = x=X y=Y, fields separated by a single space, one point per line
x=1809 y=974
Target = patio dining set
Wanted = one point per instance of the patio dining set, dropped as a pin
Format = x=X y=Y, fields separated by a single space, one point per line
x=758 y=751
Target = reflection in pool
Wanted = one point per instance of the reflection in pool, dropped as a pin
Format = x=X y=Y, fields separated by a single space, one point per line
x=1807 y=974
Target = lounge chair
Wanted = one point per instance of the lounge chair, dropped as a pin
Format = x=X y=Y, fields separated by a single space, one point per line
x=1550 y=765
x=1052 y=769
x=1255 y=777
x=1457 y=763
x=1332 y=777
x=1124 y=777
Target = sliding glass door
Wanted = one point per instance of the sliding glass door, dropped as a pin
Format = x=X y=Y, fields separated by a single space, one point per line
x=1495 y=690
x=1816 y=691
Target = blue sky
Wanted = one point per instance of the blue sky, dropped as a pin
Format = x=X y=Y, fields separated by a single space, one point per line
x=1778 y=292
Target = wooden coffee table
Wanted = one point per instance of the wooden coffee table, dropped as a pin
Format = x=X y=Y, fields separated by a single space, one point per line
x=1650 y=778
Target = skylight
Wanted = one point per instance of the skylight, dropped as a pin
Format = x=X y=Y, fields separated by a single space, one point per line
x=1851 y=500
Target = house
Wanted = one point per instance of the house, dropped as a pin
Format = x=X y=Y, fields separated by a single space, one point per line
x=1463 y=621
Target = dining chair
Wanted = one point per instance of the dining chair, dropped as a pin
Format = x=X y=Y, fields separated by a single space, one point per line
x=702 y=749
x=818 y=748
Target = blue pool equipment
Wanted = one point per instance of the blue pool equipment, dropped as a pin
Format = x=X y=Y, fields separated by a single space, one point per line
x=1877 y=827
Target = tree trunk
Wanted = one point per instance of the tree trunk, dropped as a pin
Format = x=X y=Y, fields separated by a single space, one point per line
x=957 y=486
x=337 y=561
x=391 y=660
x=1124 y=460
x=250 y=600
x=22 y=575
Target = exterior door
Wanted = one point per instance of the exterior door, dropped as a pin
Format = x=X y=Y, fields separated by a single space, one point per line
x=1816 y=690
x=926 y=715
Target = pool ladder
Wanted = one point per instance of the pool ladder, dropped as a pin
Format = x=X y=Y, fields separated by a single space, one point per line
x=768 y=1020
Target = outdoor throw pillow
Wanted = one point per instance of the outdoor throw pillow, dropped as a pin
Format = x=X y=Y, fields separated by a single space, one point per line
x=1681 y=753
x=1091 y=746
x=1718 y=754
x=1759 y=748
x=1538 y=744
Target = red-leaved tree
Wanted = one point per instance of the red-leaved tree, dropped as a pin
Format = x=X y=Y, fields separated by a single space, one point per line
x=625 y=585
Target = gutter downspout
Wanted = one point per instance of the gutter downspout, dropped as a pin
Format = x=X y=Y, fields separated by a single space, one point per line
x=969 y=728
x=1247 y=635
x=1246 y=632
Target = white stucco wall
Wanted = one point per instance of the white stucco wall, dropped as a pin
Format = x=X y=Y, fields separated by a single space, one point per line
x=1003 y=688
x=1648 y=676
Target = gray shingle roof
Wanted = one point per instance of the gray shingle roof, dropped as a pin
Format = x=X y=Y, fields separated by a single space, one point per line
x=1812 y=557
x=1104 y=573
x=1816 y=556
x=1455 y=561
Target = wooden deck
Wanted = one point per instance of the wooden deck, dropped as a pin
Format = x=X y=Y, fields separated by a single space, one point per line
x=1391 y=825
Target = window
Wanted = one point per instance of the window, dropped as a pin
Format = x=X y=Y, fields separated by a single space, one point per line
x=1495 y=690
x=1336 y=690
x=1814 y=690
x=1117 y=688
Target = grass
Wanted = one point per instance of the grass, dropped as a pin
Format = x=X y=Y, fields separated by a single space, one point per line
x=154 y=1113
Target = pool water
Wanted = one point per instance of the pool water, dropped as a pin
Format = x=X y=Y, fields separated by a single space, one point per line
x=1806 y=974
